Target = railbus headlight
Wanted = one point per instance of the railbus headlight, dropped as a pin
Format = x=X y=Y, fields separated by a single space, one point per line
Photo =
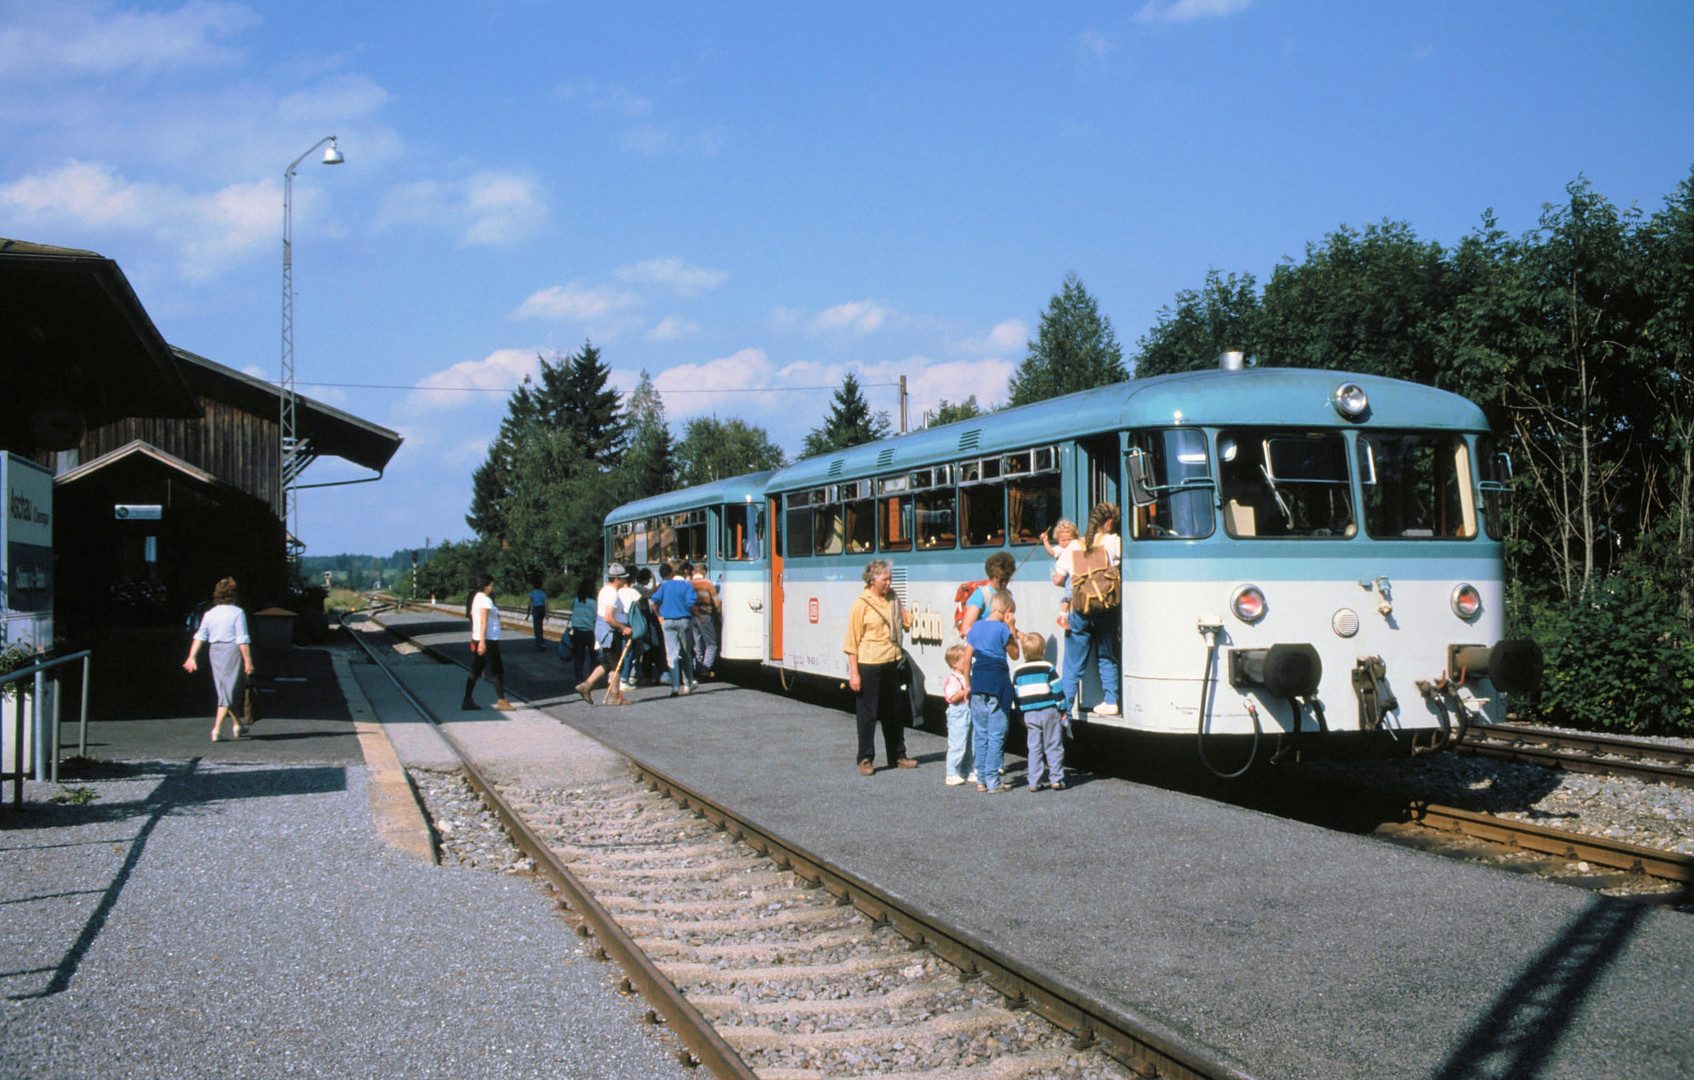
x=1350 y=401
x=1248 y=603
x=1466 y=602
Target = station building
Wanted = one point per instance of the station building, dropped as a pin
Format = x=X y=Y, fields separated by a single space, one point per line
x=167 y=465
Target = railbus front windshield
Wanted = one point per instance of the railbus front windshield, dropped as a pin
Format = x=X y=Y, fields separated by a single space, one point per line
x=1279 y=483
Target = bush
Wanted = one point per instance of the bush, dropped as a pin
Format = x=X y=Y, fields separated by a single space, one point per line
x=1620 y=658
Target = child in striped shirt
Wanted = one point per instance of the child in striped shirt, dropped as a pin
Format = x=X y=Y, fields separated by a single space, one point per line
x=1042 y=703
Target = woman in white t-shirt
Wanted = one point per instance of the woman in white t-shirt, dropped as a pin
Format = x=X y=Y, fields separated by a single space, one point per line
x=485 y=646
x=1092 y=639
x=223 y=630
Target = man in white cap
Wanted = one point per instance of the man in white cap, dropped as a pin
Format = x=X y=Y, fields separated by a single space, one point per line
x=611 y=629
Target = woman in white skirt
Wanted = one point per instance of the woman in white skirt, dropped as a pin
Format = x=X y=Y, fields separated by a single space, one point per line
x=223 y=630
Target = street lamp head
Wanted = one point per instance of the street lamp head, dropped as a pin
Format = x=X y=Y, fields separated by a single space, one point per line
x=332 y=156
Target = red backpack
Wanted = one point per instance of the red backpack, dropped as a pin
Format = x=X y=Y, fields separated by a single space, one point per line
x=960 y=595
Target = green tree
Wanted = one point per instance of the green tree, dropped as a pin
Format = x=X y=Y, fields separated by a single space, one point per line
x=1074 y=349
x=1222 y=314
x=1366 y=301
x=850 y=422
x=1571 y=392
x=713 y=449
x=550 y=477
x=648 y=465
x=1667 y=254
x=948 y=412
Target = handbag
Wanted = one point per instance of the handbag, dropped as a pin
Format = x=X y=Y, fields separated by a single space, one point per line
x=251 y=710
x=907 y=674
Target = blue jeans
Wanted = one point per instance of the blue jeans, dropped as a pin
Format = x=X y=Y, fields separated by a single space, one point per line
x=679 y=649
x=1092 y=638
x=961 y=755
x=988 y=723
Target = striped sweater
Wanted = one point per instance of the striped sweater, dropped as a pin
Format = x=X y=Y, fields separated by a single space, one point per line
x=1037 y=686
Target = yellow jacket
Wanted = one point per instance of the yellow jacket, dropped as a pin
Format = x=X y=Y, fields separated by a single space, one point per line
x=870 y=629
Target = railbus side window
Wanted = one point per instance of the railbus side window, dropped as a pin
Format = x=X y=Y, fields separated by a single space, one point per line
x=1182 y=485
x=894 y=514
x=691 y=536
x=799 y=524
x=743 y=529
x=1032 y=493
x=1495 y=469
x=982 y=503
x=623 y=543
x=858 y=517
x=1279 y=483
x=826 y=521
x=1417 y=485
x=934 y=508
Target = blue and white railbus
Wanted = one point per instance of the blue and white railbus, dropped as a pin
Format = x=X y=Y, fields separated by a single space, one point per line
x=1310 y=558
x=721 y=526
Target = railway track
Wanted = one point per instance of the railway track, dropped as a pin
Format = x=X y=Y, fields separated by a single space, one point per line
x=1567 y=855
x=766 y=961
x=1597 y=754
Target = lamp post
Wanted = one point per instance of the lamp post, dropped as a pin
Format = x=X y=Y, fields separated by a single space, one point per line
x=290 y=465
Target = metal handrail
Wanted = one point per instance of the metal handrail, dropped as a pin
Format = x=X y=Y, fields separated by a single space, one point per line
x=38 y=673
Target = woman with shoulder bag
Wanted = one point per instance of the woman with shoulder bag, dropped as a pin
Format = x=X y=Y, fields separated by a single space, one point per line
x=873 y=653
x=1094 y=631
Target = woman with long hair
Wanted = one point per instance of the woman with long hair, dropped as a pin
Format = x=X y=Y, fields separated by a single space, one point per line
x=1094 y=639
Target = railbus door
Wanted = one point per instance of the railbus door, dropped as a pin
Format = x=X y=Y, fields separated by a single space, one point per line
x=1101 y=460
x=776 y=544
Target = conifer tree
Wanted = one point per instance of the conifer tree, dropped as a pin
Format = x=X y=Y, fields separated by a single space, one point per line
x=850 y=422
x=1075 y=349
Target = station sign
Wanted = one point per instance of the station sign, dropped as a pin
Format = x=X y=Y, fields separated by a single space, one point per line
x=26 y=553
x=138 y=512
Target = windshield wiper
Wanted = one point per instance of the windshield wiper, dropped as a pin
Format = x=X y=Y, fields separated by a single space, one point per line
x=1270 y=481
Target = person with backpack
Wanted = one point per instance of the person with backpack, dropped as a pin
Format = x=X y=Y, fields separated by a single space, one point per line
x=999 y=567
x=1093 y=631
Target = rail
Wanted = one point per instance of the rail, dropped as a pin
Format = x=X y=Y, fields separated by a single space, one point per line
x=37 y=673
x=1601 y=755
x=1144 y=1045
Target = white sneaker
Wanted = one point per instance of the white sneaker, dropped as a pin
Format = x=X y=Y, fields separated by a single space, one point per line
x=971 y=779
x=1105 y=708
x=955 y=781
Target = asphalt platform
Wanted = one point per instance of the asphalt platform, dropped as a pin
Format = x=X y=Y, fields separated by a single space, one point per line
x=1292 y=951
x=270 y=908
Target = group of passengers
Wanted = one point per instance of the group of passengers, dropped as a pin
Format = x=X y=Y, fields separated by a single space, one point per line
x=995 y=668
x=671 y=626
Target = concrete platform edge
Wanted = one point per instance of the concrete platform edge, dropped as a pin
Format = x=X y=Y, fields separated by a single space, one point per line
x=395 y=810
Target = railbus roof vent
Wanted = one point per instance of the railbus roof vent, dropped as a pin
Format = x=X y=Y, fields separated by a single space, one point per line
x=970 y=440
x=885 y=459
x=835 y=468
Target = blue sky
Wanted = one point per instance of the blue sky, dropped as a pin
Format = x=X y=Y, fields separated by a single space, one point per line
x=749 y=201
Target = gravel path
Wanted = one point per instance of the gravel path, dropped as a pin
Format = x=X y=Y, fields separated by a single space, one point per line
x=195 y=920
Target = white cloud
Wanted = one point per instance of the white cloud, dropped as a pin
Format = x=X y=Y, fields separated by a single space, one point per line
x=672 y=328
x=208 y=230
x=859 y=316
x=576 y=301
x=1186 y=10
x=605 y=97
x=469 y=381
x=1094 y=46
x=653 y=140
x=672 y=272
x=487 y=209
x=69 y=39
